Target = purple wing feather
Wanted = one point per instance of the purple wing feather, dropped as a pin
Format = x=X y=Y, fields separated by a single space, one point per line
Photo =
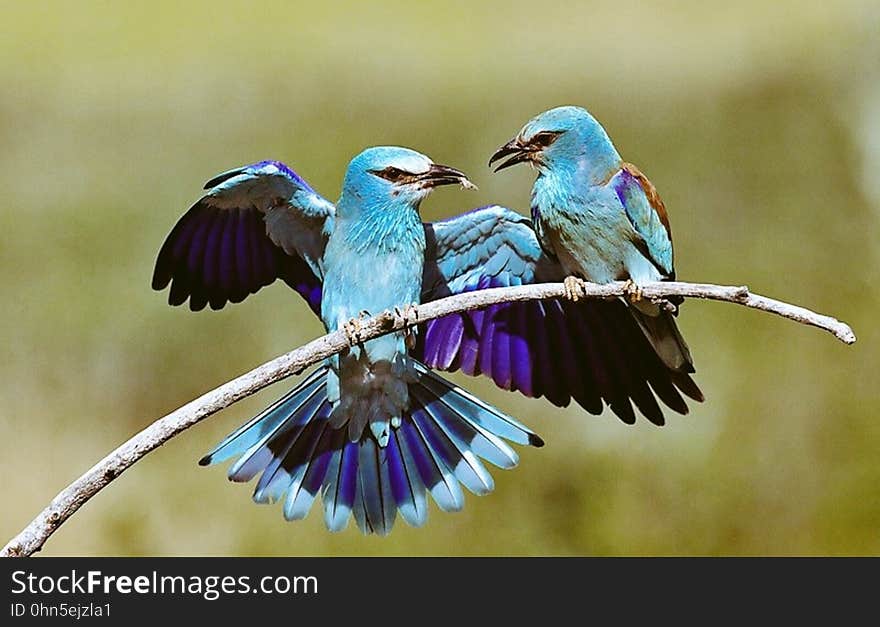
x=520 y=359
x=220 y=250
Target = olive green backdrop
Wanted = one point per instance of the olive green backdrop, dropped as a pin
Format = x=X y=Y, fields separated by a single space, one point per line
x=759 y=125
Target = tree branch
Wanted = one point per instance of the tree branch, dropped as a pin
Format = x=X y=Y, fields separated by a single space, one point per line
x=68 y=501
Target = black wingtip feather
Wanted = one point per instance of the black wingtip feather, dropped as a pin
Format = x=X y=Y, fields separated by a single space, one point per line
x=687 y=385
x=179 y=291
x=623 y=409
x=639 y=357
x=657 y=420
x=205 y=461
x=197 y=300
x=160 y=281
x=535 y=440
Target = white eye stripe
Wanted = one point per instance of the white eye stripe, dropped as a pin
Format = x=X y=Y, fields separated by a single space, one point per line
x=410 y=164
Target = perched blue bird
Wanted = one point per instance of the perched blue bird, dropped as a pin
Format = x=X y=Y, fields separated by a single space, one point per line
x=603 y=220
x=373 y=428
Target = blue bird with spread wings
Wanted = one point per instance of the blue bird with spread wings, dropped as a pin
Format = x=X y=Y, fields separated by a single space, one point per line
x=603 y=220
x=372 y=430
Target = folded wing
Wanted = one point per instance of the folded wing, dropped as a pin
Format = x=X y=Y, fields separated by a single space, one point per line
x=647 y=214
x=255 y=224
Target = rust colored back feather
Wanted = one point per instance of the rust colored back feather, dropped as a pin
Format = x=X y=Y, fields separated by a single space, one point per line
x=651 y=193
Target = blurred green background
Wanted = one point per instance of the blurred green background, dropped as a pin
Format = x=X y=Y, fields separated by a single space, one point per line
x=760 y=126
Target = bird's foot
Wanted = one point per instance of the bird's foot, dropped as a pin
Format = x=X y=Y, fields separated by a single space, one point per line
x=632 y=290
x=574 y=288
x=353 y=329
x=410 y=316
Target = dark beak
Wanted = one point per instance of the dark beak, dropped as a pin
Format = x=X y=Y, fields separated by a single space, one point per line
x=444 y=175
x=516 y=150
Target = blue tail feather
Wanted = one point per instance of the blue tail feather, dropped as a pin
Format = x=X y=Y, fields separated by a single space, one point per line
x=406 y=485
x=439 y=481
x=374 y=489
x=290 y=462
x=360 y=511
x=303 y=492
x=272 y=448
x=437 y=448
x=476 y=411
x=296 y=462
x=483 y=443
x=263 y=423
x=455 y=453
x=339 y=491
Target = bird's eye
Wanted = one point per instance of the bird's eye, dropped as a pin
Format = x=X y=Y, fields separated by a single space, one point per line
x=391 y=174
x=545 y=138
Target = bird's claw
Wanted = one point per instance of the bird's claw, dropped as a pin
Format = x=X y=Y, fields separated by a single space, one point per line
x=574 y=288
x=410 y=316
x=352 y=330
x=633 y=291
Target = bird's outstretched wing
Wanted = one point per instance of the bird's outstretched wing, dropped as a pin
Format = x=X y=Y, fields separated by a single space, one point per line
x=590 y=351
x=256 y=223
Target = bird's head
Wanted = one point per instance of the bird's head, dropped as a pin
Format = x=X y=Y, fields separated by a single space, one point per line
x=389 y=174
x=565 y=138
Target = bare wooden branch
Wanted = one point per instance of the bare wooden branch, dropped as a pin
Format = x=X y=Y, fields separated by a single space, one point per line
x=68 y=501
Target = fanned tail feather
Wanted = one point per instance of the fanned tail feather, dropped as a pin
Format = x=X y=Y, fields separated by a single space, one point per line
x=439 y=446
